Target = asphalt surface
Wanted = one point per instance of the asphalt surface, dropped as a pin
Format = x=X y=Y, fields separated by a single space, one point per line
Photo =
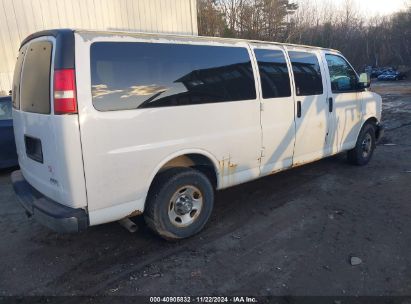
x=293 y=233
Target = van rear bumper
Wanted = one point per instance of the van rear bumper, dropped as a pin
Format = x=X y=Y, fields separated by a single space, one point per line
x=47 y=212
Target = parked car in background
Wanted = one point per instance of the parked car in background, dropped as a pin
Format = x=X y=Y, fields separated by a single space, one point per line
x=391 y=75
x=375 y=72
x=8 y=155
x=143 y=123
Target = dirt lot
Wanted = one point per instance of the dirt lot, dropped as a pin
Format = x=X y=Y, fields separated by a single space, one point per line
x=291 y=233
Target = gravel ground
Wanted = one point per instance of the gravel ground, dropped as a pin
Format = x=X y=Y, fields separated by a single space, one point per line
x=291 y=233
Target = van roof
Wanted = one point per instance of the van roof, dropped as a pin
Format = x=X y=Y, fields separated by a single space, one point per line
x=64 y=32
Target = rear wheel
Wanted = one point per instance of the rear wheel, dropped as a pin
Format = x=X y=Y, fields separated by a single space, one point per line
x=365 y=146
x=179 y=203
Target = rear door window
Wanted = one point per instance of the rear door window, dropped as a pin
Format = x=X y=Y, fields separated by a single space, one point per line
x=307 y=73
x=275 y=80
x=35 y=80
x=130 y=75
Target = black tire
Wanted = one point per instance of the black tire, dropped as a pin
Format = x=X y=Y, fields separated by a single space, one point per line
x=159 y=203
x=362 y=153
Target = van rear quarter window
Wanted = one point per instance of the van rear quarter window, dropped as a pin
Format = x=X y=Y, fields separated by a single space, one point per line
x=307 y=73
x=35 y=80
x=130 y=75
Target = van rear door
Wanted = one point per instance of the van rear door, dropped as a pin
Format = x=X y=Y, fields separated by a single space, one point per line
x=48 y=145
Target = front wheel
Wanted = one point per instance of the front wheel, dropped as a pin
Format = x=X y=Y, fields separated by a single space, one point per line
x=179 y=203
x=365 y=146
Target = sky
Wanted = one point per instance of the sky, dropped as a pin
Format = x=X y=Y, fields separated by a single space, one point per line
x=370 y=8
x=381 y=7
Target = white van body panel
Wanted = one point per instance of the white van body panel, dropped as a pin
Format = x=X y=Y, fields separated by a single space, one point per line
x=347 y=120
x=371 y=106
x=60 y=177
x=122 y=150
x=113 y=213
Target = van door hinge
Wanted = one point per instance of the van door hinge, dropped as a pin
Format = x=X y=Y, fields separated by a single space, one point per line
x=261 y=154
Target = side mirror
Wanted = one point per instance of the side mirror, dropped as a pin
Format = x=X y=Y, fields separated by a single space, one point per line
x=365 y=81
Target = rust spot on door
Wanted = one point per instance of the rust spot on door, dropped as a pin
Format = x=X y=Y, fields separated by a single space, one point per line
x=232 y=166
x=227 y=166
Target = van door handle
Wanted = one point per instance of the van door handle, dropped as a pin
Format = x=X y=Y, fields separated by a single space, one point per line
x=298 y=109
x=330 y=104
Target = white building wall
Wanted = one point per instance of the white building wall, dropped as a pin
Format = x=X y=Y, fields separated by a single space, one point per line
x=20 y=18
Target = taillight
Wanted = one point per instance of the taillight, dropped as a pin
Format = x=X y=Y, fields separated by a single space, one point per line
x=65 y=101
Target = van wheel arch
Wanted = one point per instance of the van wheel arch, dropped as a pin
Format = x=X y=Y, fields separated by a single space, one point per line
x=195 y=161
x=372 y=120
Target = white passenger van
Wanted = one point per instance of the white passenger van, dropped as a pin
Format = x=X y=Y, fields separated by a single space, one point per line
x=110 y=125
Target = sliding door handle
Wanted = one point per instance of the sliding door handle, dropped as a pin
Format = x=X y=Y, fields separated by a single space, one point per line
x=298 y=109
x=330 y=104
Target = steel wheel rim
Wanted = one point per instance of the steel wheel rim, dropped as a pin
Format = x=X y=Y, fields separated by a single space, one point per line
x=366 y=145
x=185 y=206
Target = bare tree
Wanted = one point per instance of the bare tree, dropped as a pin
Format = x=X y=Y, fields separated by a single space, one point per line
x=377 y=41
x=210 y=18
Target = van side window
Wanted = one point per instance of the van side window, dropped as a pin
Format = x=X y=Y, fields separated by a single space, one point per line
x=130 y=75
x=275 y=79
x=307 y=73
x=343 y=77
